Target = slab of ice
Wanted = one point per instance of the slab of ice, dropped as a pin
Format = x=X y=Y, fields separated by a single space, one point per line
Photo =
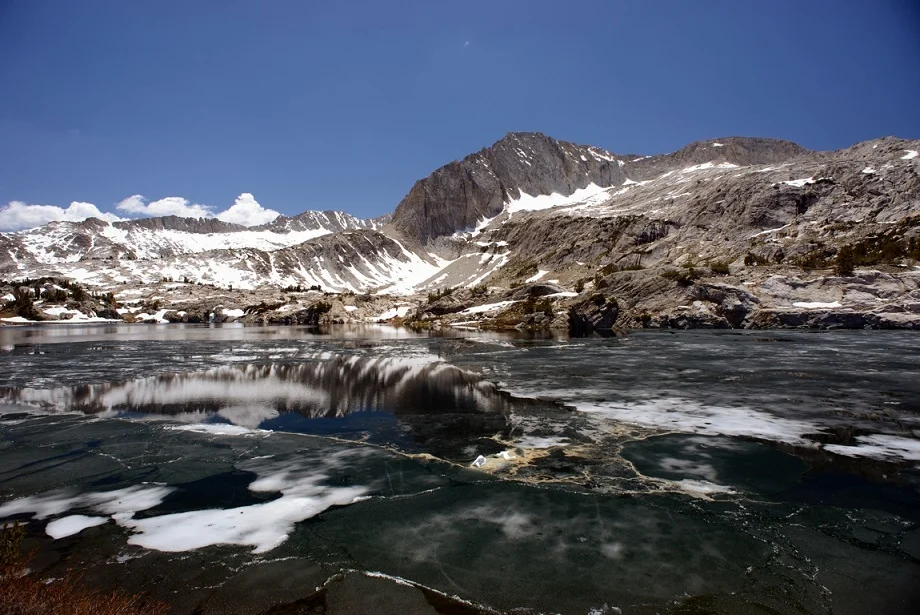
x=215 y=429
x=688 y=416
x=702 y=487
x=262 y=526
x=478 y=462
x=879 y=446
x=16 y=319
x=73 y=524
x=234 y=313
x=541 y=442
x=305 y=493
x=119 y=501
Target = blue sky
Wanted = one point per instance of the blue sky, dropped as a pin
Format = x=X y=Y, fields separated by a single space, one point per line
x=322 y=105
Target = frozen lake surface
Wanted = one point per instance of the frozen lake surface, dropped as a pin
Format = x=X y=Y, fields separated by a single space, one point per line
x=290 y=470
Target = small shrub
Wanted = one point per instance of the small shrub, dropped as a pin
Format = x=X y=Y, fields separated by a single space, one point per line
x=24 y=593
x=684 y=278
x=719 y=268
x=844 y=263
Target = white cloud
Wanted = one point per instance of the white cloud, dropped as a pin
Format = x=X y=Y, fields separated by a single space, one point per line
x=247 y=211
x=169 y=206
x=18 y=215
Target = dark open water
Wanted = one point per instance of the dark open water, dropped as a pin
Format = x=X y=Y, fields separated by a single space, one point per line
x=286 y=470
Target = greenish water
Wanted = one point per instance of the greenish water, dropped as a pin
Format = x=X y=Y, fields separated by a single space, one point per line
x=277 y=470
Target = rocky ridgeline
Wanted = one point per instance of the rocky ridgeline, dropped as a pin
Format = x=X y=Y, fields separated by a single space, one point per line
x=735 y=232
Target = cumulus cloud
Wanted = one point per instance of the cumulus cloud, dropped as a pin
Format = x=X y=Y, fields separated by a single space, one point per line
x=170 y=206
x=18 y=215
x=247 y=211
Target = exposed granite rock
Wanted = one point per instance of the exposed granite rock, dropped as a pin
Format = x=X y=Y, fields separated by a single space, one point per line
x=596 y=313
x=459 y=195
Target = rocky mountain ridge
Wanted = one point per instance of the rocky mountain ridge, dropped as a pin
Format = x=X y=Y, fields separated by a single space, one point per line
x=679 y=239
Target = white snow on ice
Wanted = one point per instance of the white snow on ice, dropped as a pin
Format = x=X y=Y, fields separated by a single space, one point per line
x=879 y=446
x=73 y=524
x=215 y=429
x=119 y=501
x=688 y=416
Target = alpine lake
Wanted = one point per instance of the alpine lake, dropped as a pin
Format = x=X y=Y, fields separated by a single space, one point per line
x=283 y=470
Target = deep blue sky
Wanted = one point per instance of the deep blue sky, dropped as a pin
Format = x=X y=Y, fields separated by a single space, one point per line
x=343 y=105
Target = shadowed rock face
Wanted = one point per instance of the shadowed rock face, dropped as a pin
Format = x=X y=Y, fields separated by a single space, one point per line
x=332 y=221
x=176 y=223
x=459 y=195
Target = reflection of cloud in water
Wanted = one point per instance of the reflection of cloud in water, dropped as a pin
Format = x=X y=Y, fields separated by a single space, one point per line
x=248 y=416
x=689 y=467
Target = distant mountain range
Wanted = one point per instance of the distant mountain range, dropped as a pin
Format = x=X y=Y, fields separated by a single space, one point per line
x=531 y=208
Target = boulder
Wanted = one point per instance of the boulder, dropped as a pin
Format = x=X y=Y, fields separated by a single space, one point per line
x=596 y=313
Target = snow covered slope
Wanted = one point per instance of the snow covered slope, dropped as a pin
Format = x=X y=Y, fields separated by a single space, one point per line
x=527 y=206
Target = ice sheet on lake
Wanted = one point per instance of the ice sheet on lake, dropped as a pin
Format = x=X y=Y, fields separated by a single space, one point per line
x=117 y=502
x=879 y=446
x=689 y=416
x=216 y=429
x=701 y=487
x=72 y=524
x=263 y=526
x=541 y=442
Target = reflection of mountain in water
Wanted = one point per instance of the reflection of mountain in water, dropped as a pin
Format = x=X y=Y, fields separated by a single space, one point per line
x=427 y=397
